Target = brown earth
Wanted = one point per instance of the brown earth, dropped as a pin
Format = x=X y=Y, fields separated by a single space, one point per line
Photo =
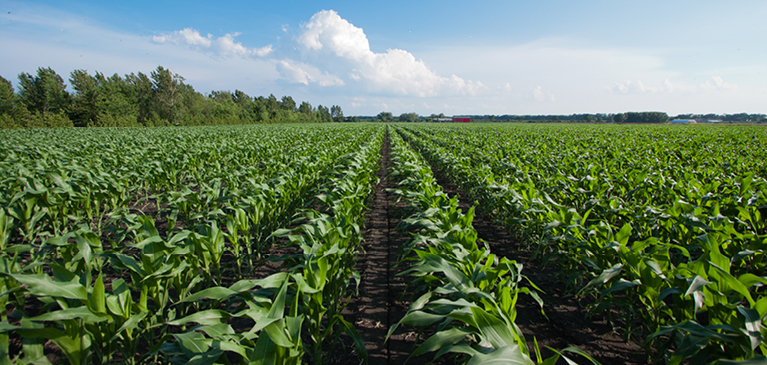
x=381 y=302
x=383 y=297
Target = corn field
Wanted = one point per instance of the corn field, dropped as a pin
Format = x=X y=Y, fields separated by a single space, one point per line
x=223 y=245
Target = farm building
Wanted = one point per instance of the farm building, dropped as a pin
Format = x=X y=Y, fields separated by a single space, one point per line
x=684 y=121
x=461 y=119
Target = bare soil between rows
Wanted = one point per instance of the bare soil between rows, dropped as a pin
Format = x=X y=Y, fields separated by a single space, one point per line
x=383 y=297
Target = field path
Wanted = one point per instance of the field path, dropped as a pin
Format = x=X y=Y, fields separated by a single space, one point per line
x=380 y=304
x=382 y=299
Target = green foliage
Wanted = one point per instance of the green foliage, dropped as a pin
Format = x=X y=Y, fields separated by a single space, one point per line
x=7 y=97
x=385 y=117
x=661 y=226
x=463 y=288
x=160 y=99
x=73 y=213
x=323 y=115
x=336 y=113
x=44 y=93
x=46 y=120
x=408 y=117
x=641 y=118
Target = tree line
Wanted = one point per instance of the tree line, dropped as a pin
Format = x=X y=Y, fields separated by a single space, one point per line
x=629 y=117
x=161 y=98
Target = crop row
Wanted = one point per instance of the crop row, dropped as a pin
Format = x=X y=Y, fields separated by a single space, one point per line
x=462 y=288
x=173 y=217
x=665 y=226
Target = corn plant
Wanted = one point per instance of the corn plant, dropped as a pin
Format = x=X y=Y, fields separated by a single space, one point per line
x=467 y=291
x=625 y=213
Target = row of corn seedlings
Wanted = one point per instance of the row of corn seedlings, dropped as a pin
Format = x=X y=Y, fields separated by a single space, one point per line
x=305 y=313
x=665 y=225
x=166 y=277
x=465 y=290
x=329 y=242
x=54 y=182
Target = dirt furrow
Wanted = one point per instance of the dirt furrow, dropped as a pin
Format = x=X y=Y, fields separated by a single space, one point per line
x=566 y=322
x=379 y=304
x=383 y=300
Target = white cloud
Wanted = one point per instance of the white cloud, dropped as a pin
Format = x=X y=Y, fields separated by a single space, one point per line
x=222 y=46
x=541 y=95
x=304 y=74
x=672 y=87
x=584 y=76
x=716 y=83
x=635 y=87
x=334 y=43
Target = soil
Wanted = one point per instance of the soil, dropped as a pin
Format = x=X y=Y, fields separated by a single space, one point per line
x=564 y=321
x=383 y=296
x=382 y=300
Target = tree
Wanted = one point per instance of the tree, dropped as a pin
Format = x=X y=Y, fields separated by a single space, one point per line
x=12 y=114
x=384 y=116
x=288 y=104
x=84 y=101
x=244 y=107
x=44 y=93
x=115 y=105
x=646 y=117
x=336 y=113
x=305 y=108
x=241 y=97
x=167 y=88
x=7 y=97
x=619 y=118
x=162 y=98
x=141 y=96
x=408 y=117
x=323 y=114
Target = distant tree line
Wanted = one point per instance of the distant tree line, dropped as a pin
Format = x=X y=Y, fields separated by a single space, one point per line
x=641 y=118
x=734 y=118
x=630 y=117
x=158 y=99
x=389 y=117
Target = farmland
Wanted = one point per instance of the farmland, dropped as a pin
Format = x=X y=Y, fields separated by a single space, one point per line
x=262 y=244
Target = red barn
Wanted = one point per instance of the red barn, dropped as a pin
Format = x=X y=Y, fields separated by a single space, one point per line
x=461 y=119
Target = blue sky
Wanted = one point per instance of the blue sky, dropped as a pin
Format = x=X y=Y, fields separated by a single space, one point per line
x=452 y=57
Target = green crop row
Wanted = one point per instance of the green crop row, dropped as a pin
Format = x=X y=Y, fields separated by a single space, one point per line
x=465 y=290
x=131 y=284
x=664 y=225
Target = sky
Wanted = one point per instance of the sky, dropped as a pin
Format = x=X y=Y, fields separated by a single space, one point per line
x=452 y=57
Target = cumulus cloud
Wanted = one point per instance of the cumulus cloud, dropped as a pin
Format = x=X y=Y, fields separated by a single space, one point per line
x=302 y=73
x=329 y=39
x=222 y=46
